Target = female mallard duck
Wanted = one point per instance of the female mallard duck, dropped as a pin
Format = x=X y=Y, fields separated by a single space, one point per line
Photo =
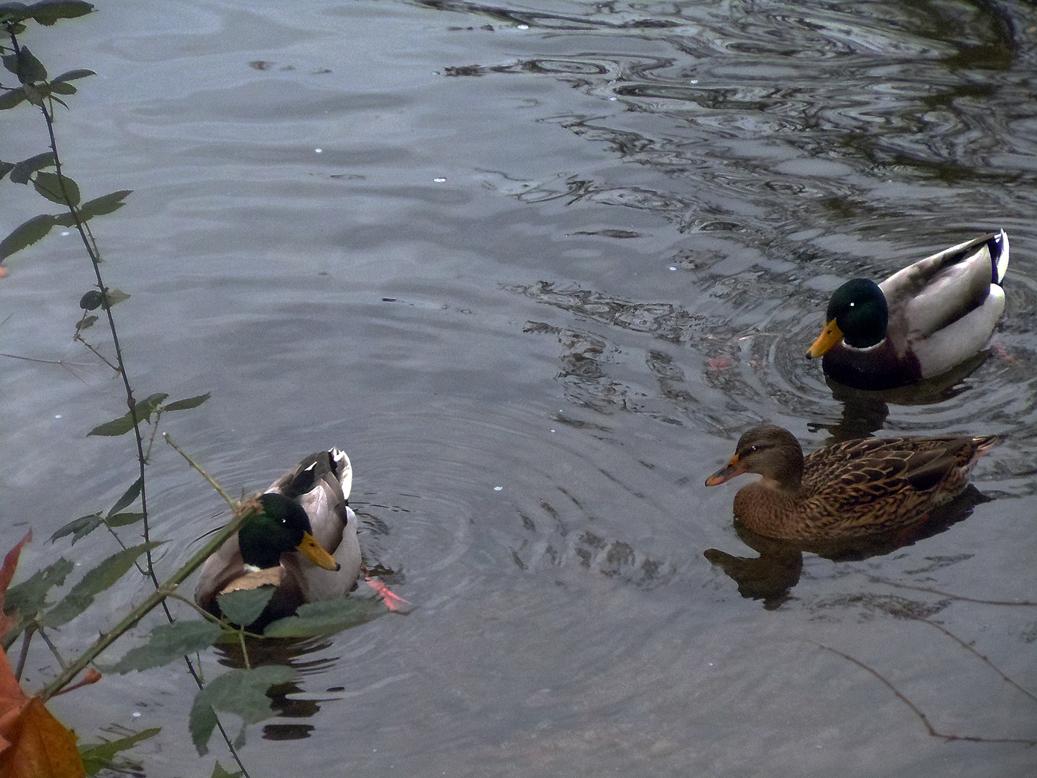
x=918 y=323
x=848 y=490
x=304 y=543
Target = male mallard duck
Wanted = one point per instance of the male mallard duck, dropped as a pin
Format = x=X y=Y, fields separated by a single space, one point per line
x=918 y=323
x=304 y=543
x=848 y=490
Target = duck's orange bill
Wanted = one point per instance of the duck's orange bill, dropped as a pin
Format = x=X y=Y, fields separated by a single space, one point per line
x=314 y=551
x=829 y=337
x=726 y=473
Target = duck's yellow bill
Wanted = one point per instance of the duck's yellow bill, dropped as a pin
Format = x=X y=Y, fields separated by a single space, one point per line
x=314 y=551
x=829 y=337
x=726 y=473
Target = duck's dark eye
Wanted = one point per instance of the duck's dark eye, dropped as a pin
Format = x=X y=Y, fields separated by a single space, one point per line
x=752 y=449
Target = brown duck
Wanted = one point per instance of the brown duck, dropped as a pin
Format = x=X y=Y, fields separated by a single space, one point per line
x=848 y=490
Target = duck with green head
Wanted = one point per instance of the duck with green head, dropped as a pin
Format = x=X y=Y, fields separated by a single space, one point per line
x=304 y=542
x=920 y=322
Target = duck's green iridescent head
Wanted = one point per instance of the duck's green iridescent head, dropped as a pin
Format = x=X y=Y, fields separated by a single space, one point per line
x=283 y=526
x=857 y=313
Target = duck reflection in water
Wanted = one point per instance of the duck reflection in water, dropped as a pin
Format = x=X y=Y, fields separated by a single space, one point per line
x=850 y=500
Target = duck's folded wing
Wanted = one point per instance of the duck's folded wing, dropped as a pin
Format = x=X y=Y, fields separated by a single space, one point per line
x=223 y=566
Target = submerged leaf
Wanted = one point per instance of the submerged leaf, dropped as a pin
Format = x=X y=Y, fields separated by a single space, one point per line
x=166 y=643
x=244 y=606
x=93 y=583
x=98 y=756
x=242 y=692
x=79 y=528
x=324 y=616
x=25 y=234
x=187 y=403
x=58 y=189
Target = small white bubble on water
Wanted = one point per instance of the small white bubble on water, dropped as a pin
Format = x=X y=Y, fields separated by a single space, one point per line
x=58 y=416
x=613 y=99
x=523 y=26
x=439 y=180
x=136 y=714
x=318 y=151
x=497 y=488
x=65 y=233
x=693 y=81
x=673 y=267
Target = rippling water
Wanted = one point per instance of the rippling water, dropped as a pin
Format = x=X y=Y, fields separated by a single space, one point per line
x=536 y=267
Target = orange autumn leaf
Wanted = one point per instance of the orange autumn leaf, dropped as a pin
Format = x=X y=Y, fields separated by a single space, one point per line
x=33 y=744
x=6 y=574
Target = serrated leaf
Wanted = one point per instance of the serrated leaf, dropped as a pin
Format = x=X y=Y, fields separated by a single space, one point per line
x=124 y=423
x=79 y=528
x=93 y=583
x=187 y=403
x=11 y=98
x=128 y=496
x=245 y=606
x=166 y=643
x=72 y=75
x=123 y=519
x=98 y=756
x=22 y=171
x=96 y=207
x=324 y=616
x=25 y=234
x=56 y=188
x=241 y=692
x=30 y=596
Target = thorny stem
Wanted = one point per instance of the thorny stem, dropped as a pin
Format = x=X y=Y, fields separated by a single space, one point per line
x=159 y=595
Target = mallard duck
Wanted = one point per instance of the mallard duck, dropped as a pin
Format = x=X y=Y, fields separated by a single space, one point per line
x=851 y=489
x=918 y=323
x=304 y=543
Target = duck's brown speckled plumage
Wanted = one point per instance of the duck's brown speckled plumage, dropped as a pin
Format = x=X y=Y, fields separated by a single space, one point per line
x=851 y=489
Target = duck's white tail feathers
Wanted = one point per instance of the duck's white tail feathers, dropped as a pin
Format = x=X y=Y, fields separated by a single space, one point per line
x=345 y=468
x=998 y=247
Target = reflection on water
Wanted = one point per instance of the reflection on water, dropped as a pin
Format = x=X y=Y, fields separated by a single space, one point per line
x=772 y=575
x=552 y=258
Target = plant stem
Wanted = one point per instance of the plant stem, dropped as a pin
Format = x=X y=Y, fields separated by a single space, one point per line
x=153 y=599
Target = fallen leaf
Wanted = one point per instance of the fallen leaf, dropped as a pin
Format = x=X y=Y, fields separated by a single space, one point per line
x=33 y=744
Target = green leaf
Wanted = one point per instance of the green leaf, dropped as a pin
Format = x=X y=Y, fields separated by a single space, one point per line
x=219 y=772
x=29 y=69
x=11 y=98
x=32 y=94
x=47 y=12
x=23 y=170
x=128 y=497
x=324 y=616
x=124 y=423
x=166 y=643
x=60 y=88
x=5 y=168
x=25 y=234
x=30 y=596
x=98 y=756
x=187 y=403
x=91 y=301
x=79 y=528
x=55 y=188
x=123 y=519
x=10 y=62
x=245 y=606
x=96 y=207
x=86 y=323
x=72 y=75
x=93 y=583
x=242 y=692
x=13 y=12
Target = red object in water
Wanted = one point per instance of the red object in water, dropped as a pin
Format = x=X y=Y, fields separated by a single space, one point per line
x=392 y=600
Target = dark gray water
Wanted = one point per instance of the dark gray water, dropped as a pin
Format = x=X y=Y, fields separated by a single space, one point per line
x=536 y=267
